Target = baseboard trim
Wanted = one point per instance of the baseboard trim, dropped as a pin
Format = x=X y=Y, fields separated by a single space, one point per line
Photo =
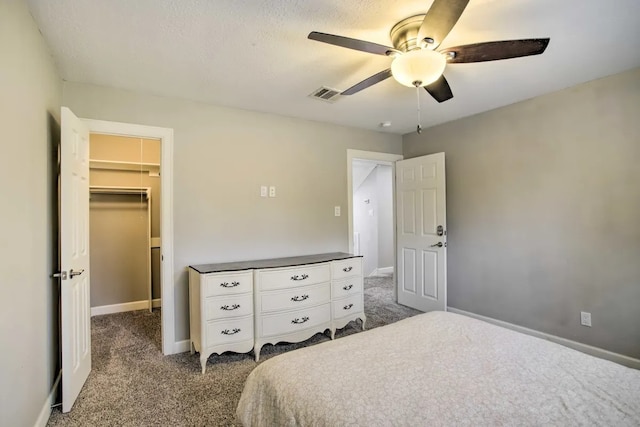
x=127 y=306
x=584 y=348
x=383 y=270
x=45 y=412
x=181 y=346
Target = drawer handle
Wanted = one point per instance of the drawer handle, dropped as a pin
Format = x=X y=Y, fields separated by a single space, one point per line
x=229 y=308
x=227 y=285
x=347 y=307
x=299 y=321
x=302 y=277
x=347 y=287
x=302 y=298
x=228 y=332
x=347 y=269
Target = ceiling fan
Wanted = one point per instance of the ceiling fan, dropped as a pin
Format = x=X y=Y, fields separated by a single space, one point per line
x=415 y=39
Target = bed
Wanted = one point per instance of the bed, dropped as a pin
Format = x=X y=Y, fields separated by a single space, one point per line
x=437 y=369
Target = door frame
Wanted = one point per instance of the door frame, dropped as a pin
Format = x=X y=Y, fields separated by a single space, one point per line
x=380 y=158
x=165 y=135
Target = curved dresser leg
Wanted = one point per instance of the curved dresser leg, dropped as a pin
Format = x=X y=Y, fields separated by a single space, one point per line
x=256 y=351
x=191 y=348
x=203 y=362
x=333 y=333
x=363 y=319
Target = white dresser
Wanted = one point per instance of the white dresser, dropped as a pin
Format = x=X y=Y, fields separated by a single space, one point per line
x=293 y=299
x=291 y=304
x=347 y=300
x=220 y=312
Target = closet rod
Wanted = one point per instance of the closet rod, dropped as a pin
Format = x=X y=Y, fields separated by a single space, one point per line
x=120 y=190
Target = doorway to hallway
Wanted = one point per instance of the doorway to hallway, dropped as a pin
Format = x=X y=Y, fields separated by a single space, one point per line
x=372 y=213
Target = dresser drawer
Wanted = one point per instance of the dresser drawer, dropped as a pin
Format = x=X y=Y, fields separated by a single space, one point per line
x=346 y=306
x=228 y=331
x=296 y=320
x=346 y=287
x=295 y=297
x=279 y=278
x=228 y=283
x=228 y=306
x=346 y=268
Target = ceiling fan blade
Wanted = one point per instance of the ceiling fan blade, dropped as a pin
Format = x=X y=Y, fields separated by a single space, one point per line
x=440 y=19
x=440 y=90
x=492 y=51
x=376 y=78
x=350 y=43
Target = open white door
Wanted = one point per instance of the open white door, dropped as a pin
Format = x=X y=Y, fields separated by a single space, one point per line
x=74 y=254
x=421 y=232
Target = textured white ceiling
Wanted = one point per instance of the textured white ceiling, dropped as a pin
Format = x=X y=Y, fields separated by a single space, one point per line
x=255 y=54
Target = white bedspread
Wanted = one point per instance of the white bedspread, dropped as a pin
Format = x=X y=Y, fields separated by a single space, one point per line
x=439 y=369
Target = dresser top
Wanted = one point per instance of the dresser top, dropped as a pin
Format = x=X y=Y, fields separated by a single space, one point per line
x=271 y=263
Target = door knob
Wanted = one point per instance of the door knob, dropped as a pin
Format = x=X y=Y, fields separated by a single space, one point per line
x=437 y=245
x=75 y=273
x=60 y=275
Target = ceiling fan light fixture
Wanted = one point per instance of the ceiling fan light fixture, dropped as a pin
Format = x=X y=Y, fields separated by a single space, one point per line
x=418 y=67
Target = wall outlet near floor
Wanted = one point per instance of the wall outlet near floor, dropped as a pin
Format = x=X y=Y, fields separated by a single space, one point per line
x=336 y=210
x=585 y=318
x=272 y=191
x=263 y=191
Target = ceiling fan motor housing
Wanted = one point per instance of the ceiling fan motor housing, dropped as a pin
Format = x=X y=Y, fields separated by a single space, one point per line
x=404 y=35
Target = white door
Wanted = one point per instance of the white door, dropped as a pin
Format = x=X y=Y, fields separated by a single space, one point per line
x=421 y=232
x=74 y=254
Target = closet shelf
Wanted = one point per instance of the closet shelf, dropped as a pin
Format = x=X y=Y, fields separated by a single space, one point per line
x=152 y=168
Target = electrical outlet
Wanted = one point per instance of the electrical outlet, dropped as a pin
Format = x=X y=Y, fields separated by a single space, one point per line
x=336 y=210
x=272 y=191
x=263 y=191
x=585 y=318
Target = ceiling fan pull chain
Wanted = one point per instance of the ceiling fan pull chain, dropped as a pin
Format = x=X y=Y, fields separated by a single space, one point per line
x=418 y=128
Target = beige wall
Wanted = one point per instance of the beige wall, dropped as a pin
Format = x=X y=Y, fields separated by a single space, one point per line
x=29 y=112
x=543 y=210
x=118 y=223
x=124 y=149
x=119 y=245
x=221 y=158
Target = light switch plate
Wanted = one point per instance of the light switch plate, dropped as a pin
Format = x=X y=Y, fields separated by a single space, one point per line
x=263 y=191
x=272 y=191
x=336 y=211
x=585 y=318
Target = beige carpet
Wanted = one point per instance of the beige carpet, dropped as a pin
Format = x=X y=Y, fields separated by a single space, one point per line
x=133 y=384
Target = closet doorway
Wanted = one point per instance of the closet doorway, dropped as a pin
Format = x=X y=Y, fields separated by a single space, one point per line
x=124 y=213
x=165 y=216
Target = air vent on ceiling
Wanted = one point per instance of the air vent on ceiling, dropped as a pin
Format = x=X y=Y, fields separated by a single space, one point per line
x=326 y=94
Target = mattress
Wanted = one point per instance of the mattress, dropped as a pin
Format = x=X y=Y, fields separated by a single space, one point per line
x=436 y=369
